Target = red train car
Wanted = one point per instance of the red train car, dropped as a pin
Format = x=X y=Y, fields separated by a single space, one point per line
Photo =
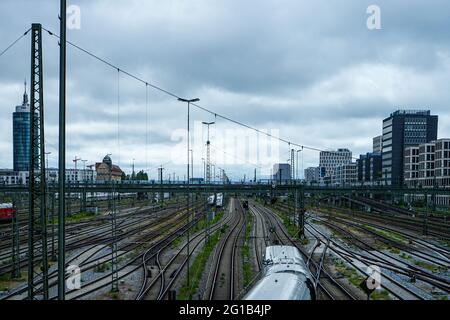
x=6 y=212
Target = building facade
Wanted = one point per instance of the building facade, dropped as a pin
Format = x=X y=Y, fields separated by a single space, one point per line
x=74 y=176
x=369 y=168
x=411 y=166
x=9 y=177
x=377 y=144
x=107 y=171
x=281 y=172
x=442 y=163
x=345 y=175
x=329 y=160
x=312 y=175
x=428 y=166
x=21 y=135
x=401 y=130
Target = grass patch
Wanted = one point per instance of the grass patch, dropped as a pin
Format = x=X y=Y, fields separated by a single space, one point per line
x=350 y=273
x=440 y=296
x=113 y=295
x=73 y=217
x=388 y=234
x=6 y=280
x=198 y=266
x=394 y=250
x=425 y=265
x=102 y=267
x=380 y=294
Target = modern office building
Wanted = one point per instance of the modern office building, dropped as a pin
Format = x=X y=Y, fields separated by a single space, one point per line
x=369 y=168
x=428 y=166
x=345 y=175
x=21 y=135
x=442 y=163
x=331 y=159
x=312 y=175
x=281 y=172
x=411 y=166
x=377 y=144
x=402 y=129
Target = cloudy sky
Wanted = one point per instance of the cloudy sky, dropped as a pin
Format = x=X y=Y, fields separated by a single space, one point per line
x=308 y=71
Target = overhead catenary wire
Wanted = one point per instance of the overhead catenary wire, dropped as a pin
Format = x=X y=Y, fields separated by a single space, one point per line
x=139 y=79
x=14 y=42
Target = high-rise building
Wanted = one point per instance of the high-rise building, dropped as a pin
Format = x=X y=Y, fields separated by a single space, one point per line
x=312 y=174
x=369 y=168
x=404 y=128
x=345 y=175
x=331 y=159
x=428 y=166
x=377 y=144
x=21 y=135
x=411 y=166
x=281 y=172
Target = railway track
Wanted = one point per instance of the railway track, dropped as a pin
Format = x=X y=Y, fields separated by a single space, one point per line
x=80 y=237
x=224 y=284
x=96 y=254
x=169 y=272
x=392 y=262
x=396 y=287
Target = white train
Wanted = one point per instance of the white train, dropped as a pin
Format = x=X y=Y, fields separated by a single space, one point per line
x=285 y=277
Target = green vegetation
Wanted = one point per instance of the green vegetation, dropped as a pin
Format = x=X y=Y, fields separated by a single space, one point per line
x=102 y=267
x=388 y=234
x=6 y=280
x=440 y=296
x=290 y=227
x=429 y=266
x=394 y=250
x=113 y=295
x=74 y=217
x=198 y=266
x=202 y=223
x=380 y=294
x=350 y=273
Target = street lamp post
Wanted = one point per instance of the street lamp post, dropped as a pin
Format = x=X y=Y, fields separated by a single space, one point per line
x=188 y=101
x=299 y=150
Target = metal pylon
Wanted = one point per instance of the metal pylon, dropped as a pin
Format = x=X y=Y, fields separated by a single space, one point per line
x=114 y=267
x=15 y=240
x=37 y=219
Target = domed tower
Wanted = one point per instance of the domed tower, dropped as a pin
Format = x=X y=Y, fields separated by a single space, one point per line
x=107 y=160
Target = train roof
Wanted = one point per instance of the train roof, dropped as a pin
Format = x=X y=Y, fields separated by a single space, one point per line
x=281 y=286
x=283 y=254
x=285 y=258
x=6 y=205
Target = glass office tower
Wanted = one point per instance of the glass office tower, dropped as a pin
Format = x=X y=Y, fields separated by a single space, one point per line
x=21 y=135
